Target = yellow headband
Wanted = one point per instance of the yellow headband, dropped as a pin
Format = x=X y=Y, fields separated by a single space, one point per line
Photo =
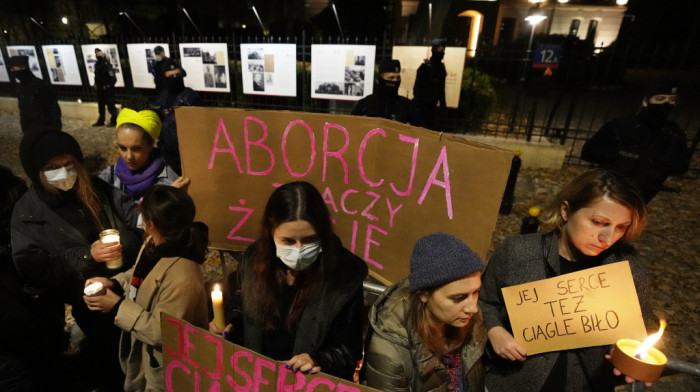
x=146 y=119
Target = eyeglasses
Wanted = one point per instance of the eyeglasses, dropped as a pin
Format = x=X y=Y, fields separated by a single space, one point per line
x=663 y=98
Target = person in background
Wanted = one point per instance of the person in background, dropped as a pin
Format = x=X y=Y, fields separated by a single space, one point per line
x=161 y=66
x=105 y=79
x=385 y=101
x=140 y=164
x=297 y=293
x=166 y=278
x=175 y=94
x=646 y=147
x=55 y=241
x=36 y=100
x=426 y=330
x=429 y=88
x=594 y=217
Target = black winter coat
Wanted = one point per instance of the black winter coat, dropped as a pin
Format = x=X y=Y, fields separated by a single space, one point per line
x=330 y=328
x=38 y=107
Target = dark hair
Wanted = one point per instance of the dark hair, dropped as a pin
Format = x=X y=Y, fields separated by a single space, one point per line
x=593 y=185
x=172 y=212
x=289 y=203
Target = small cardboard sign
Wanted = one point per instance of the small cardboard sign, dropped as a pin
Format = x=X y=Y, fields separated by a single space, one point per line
x=593 y=307
x=197 y=360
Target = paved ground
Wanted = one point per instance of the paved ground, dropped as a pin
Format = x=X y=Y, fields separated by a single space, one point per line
x=669 y=246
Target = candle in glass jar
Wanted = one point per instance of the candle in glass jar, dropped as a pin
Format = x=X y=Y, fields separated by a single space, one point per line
x=217 y=303
x=109 y=236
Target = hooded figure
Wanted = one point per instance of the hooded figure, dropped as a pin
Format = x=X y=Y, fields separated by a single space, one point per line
x=55 y=240
x=385 y=101
x=429 y=88
x=646 y=147
x=37 y=103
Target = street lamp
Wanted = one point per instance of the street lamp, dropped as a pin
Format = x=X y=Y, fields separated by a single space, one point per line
x=64 y=20
x=126 y=15
x=534 y=17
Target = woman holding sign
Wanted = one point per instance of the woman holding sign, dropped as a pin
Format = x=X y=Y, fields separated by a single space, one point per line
x=427 y=333
x=140 y=164
x=593 y=217
x=297 y=293
x=165 y=278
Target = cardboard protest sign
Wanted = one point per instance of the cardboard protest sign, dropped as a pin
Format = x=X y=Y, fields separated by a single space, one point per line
x=386 y=184
x=196 y=360
x=411 y=57
x=592 y=307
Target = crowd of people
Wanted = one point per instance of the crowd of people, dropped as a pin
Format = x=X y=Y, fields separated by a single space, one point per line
x=297 y=294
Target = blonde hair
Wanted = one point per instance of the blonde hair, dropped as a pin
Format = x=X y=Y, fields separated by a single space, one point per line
x=593 y=185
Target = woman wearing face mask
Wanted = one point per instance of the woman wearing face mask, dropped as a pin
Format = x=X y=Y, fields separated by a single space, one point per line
x=593 y=217
x=166 y=278
x=140 y=164
x=55 y=235
x=297 y=293
x=426 y=331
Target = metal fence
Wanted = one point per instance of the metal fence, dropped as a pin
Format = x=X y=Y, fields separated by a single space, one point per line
x=589 y=87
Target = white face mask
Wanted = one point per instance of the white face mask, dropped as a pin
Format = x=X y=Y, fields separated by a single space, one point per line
x=62 y=178
x=298 y=259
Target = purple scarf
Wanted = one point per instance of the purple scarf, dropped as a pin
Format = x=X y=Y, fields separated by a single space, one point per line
x=137 y=183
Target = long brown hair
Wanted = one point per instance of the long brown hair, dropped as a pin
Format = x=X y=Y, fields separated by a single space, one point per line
x=84 y=190
x=437 y=342
x=288 y=203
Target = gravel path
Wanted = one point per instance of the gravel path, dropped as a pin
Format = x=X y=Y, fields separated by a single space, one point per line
x=668 y=247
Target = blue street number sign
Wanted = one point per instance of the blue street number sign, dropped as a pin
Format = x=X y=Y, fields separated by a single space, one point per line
x=547 y=56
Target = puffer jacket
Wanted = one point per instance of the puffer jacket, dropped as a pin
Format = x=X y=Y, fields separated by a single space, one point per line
x=397 y=359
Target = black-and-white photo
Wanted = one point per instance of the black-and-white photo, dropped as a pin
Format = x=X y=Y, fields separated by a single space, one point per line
x=220 y=77
x=255 y=54
x=354 y=74
x=354 y=89
x=359 y=60
x=256 y=67
x=329 y=88
x=269 y=79
x=258 y=82
x=208 y=58
x=192 y=52
x=208 y=75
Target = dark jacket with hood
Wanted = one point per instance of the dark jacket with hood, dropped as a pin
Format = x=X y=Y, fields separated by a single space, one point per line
x=643 y=147
x=175 y=94
x=397 y=359
x=330 y=327
x=49 y=252
x=37 y=102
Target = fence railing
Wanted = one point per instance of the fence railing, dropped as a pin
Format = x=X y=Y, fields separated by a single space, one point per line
x=589 y=87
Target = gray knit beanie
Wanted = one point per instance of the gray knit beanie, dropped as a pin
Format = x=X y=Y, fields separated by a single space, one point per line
x=441 y=258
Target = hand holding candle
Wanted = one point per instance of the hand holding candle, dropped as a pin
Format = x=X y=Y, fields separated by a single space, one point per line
x=107 y=237
x=640 y=360
x=217 y=303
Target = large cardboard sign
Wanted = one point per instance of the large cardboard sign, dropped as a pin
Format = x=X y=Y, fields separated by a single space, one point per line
x=342 y=72
x=206 y=66
x=592 y=307
x=4 y=73
x=412 y=57
x=141 y=61
x=386 y=183
x=111 y=53
x=62 y=65
x=29 y=51
x=269 y=69
x=196 y=360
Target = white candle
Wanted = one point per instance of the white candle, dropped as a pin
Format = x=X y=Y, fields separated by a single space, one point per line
x=110 y=236
x=217 y=303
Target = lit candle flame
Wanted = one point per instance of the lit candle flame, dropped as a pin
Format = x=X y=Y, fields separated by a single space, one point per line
x=641 y=352
x=216 y=287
